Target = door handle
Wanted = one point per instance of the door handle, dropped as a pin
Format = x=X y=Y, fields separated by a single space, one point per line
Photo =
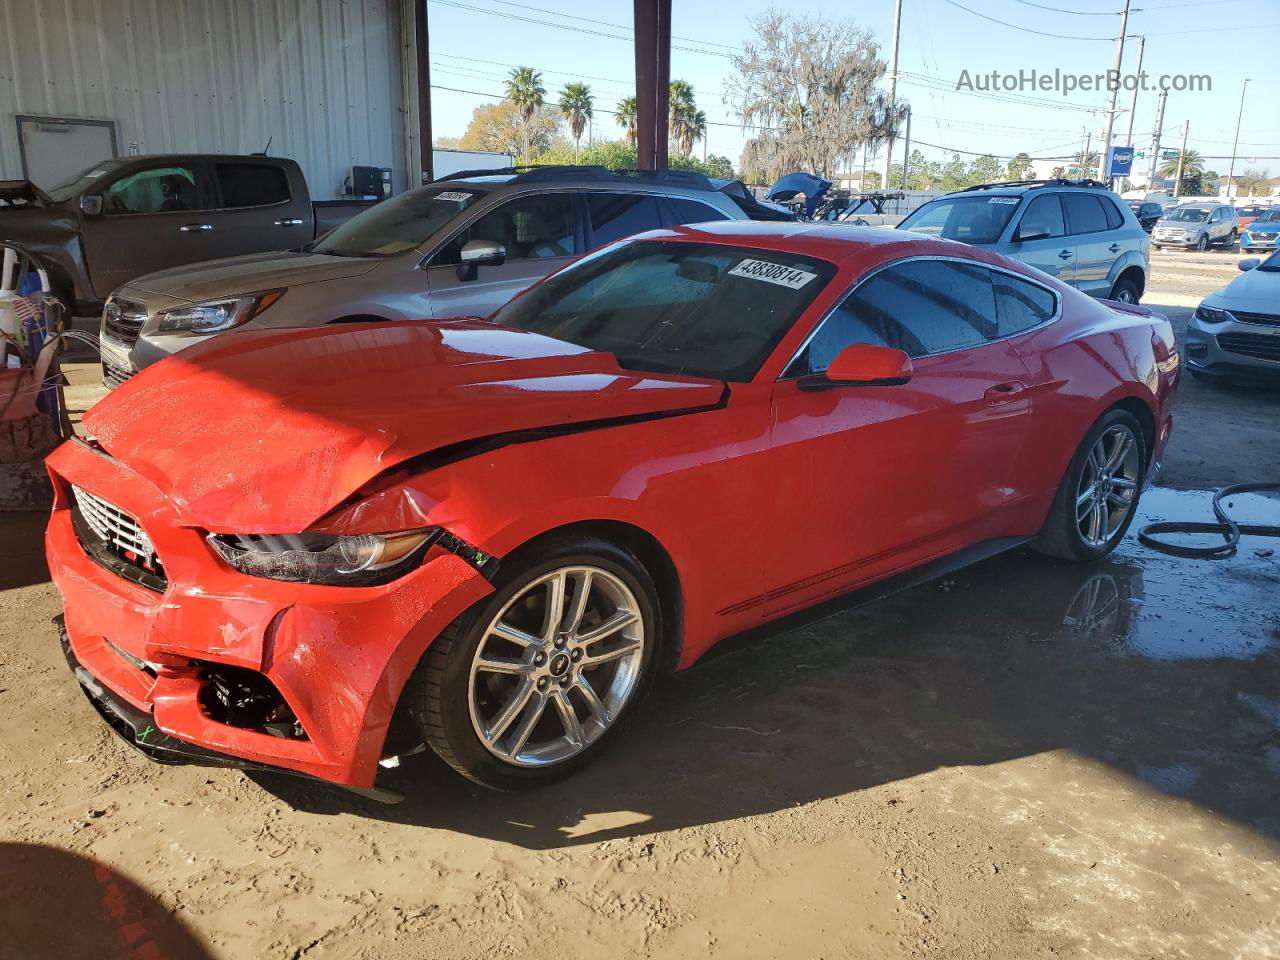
x=195 y=227
x=289 y=222
x=1065 y=255
x=1114 y=248
x=1003 y=391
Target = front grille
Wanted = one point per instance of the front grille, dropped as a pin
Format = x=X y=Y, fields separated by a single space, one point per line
x=122 y=320
x=1256 y=345
x=120 y=537
x=113 y=376
x=1261 y=319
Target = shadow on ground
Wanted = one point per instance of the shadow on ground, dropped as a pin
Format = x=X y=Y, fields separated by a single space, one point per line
x=57 y=904
x=22 y=548
x=1166 y=669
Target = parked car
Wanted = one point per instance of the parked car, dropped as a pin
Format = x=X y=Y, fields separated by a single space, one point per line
x=279 y=540
x=123 y=218
x=1148 y=212
x=1077 y=231
x=1196 y=225
x=1235 y=332
x=461 y=246
x=1263 y=232
x=1246 y=215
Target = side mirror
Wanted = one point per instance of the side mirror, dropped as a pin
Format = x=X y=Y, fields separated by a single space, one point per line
x=862 y=365
x=1031 y=235
x=91 y=205
x=1248 y=263
x=479 y=253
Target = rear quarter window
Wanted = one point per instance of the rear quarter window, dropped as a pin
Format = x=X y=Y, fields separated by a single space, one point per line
x=252 y=184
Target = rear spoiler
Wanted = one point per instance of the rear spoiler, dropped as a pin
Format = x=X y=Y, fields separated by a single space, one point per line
x=737 y=191
x=22 y=193
x=1136 y=309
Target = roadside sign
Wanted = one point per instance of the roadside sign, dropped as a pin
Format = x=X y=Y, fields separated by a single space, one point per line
x=1119 y=161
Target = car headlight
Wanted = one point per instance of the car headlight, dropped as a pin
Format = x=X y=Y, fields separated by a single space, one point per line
x=355 y=561
x=214 y=316
x=1211 y=314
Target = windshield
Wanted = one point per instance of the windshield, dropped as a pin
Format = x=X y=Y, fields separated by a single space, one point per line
x=1189 y=215
x=399 y=224
x=1269 y=216
x=704 y=310
x=979 y=219
x=82 y=181
x=1271 y=264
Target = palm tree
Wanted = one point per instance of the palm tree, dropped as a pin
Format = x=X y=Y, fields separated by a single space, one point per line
x=682 y=110
x=575 y=105
x=1192 y=166
x=694 y=130
x=626 y=117
x=524 y=88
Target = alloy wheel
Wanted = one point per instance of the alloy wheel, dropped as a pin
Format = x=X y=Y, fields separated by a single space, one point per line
x=556 y=666
x=1108 y=485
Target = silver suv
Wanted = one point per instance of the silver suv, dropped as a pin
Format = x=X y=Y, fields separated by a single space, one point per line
x=461 y=246
x=1197 y=226
x=1075 y=230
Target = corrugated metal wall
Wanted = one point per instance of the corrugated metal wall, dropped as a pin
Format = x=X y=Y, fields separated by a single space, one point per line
x=321 y=77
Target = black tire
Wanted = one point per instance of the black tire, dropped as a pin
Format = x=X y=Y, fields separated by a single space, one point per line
x=1125 y=290
x=1229 y=241
x=439 y=688
x=1061 y=536
x=1203 y=243
x=1156 y=246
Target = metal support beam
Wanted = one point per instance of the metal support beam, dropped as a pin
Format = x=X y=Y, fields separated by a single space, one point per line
x=653 y=81
x=421 y=48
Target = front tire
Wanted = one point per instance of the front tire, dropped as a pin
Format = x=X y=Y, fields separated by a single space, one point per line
x=1125 y=291
x=1098 y=496
x=1203 y=243
x=531 y=683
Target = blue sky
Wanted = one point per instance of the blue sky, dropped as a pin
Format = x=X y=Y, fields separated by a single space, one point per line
x=1222 y=38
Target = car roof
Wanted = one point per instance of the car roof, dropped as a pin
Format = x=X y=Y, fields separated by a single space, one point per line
x=834 y=242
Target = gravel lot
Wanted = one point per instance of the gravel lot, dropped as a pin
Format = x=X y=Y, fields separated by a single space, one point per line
x=1024 y=760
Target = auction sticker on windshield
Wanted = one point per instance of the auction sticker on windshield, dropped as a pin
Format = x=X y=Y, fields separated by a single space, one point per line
x=772 y=273
x=454 y=195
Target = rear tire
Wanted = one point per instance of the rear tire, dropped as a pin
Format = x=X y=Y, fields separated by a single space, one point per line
x=1101 y=480
x=531 y=721
x=1125 y=290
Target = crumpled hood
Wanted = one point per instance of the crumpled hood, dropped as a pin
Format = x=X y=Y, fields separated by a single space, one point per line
x=266 y=431
x=250 y=273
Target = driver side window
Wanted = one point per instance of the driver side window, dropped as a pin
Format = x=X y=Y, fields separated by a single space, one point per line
x=534 y=227
x=167 y=189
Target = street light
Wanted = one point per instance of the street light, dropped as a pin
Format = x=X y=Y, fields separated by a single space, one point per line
x=1232 y=169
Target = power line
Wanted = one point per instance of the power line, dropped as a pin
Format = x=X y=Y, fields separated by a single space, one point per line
x=569 y=27
x=1078 y=13
x=1014 y=26
x=630 y=84
x=605 y=23
x=934 y=83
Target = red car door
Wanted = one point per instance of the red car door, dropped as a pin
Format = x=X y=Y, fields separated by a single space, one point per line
x=871 y=480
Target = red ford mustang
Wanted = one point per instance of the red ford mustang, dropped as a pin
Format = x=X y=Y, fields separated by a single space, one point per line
x=305 y=550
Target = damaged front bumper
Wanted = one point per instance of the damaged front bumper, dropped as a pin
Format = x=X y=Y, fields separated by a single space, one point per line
x=211 y=666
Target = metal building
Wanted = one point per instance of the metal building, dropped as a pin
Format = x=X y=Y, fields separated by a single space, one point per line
x=324 y=81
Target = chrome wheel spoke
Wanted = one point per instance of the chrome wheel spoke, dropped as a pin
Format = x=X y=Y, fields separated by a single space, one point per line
x=592 y=700
x=509 y=712
x=1123 y=483
x=1086 y=498
x=618 y=621
x=531 y=717
x=554 y=614
x=512 y=635
x=578 y=607
x=1118 y=450
x=608 y=656
x=569 y=718
x=504 y=665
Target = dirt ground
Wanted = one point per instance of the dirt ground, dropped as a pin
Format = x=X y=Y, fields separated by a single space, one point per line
x=1024 y=760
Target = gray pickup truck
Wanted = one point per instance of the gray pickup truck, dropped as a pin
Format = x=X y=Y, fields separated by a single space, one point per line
x=124 y=218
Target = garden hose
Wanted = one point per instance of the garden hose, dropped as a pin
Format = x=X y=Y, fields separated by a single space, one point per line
x=1226 y=527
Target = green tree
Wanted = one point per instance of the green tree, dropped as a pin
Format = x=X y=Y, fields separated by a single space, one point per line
x=954 y=175
x=619 y=155
x=923 y=174
x=1192 y=165
x=985 y=169
x=626 y=117
x=895 y=177
x=524 y=88
x=501 y=127
x=1020 y=168
x=686 y=124
x=871 y=182
x=575 y=106
x=1254 y=183
x=1059 y=173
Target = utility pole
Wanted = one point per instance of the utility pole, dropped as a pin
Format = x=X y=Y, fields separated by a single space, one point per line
x=862 y=181
x=906 y=150
x=1236 y=143
x=1111 y=98
x=1082 y=170
x=1182 y=154
x=1133 y=105
x=1155 y=147
x=893 y=87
